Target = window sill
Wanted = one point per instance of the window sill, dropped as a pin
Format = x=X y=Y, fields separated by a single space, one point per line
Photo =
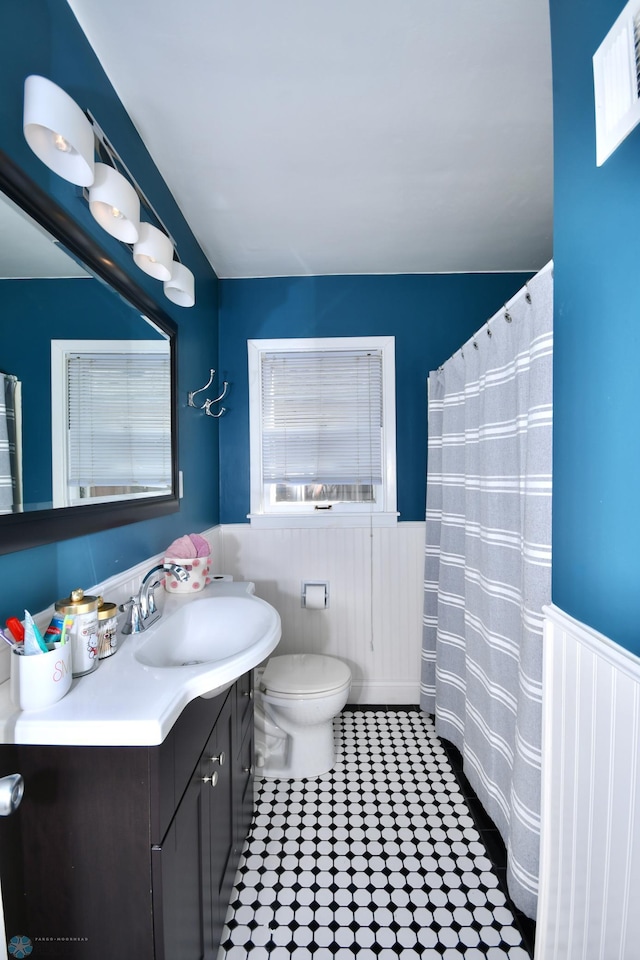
x=324 y=519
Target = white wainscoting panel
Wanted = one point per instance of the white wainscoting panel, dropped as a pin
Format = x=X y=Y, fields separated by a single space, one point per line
x=374 y=619
x=590 y=842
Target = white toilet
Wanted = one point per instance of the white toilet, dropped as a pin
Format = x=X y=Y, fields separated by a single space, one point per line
x=297 y=697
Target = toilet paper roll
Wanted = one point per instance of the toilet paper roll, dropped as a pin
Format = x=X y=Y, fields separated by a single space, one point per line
x=315 y=596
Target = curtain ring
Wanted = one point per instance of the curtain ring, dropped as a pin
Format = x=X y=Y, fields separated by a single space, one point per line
x=475 y=345
x=507 y=315
x=527 y=295
x=489 y=334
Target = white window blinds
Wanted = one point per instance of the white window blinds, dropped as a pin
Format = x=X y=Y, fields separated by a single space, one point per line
x=119 y=420
x=322 y=417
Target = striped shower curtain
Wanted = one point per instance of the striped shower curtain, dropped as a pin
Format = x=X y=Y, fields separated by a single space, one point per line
x=10 y=472
x=488 y=565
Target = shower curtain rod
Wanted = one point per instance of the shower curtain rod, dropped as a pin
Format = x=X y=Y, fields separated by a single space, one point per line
x=503 y=312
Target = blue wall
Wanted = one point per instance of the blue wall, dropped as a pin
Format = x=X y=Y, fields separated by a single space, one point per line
x=42 y=36
x=430 y=317
x=596 y=504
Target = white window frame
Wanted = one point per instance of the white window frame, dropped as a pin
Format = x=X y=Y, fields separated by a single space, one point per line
x=266 y=514
x=60 y=350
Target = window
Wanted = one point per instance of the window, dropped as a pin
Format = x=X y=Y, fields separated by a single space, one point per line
x=322 y=420
x=112 y=420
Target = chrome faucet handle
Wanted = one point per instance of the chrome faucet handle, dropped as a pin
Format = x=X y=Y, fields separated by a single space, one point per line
x=178 y=571
x=152 y=607
x=133 y=623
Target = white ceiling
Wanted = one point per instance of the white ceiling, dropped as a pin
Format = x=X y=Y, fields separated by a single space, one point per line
x=342 y=136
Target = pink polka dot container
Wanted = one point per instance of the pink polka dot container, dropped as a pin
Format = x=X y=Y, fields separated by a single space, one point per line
x=198 y=569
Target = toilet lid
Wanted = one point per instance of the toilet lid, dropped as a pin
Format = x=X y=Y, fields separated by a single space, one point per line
x=304 y=674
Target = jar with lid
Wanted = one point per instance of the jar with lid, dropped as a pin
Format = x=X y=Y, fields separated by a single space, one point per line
x=107 y=628
x=83 y=633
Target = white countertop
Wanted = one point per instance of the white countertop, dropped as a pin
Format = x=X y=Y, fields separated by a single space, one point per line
x=126 y=703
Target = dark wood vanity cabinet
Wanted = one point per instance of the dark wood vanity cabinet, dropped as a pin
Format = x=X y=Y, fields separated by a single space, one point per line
x=132 y=851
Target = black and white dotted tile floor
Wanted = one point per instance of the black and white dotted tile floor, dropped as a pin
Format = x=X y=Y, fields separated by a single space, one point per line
x=376 y=860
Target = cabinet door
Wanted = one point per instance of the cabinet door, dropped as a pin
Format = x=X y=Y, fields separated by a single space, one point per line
x=194 y=866
x=218 y=759
x=79 y=872
x=243 y=760
x=182 y=893
x=243 y=797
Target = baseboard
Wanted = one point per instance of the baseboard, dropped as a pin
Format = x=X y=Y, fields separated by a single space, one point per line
x=385 y=691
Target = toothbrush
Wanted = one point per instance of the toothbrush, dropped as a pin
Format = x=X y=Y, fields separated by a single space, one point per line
x=66 y=622
x=6 y=638
x=15 y=628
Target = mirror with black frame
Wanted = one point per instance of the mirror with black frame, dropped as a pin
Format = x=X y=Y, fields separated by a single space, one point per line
x=87 y=370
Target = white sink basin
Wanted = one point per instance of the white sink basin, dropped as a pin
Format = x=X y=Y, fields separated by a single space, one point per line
x=134 y=698
x=207 y=631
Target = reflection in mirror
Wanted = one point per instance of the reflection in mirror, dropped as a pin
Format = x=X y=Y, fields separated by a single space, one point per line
x=84 y=420
x=111 y=423
x=78 y=294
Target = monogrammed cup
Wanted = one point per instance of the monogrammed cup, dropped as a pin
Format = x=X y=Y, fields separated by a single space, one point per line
x=40 y=679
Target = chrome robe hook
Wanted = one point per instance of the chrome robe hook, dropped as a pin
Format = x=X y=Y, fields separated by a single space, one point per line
x=207 y=408
x=225 y=387
x=192 y=393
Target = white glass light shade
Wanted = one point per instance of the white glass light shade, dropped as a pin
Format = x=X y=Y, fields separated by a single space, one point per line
x=57 y=131
x=114 y=203
x=180 y=288
x=153 y=252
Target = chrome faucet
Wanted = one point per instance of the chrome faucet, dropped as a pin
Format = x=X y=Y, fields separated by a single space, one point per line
x=142 y=610
x=146 y=596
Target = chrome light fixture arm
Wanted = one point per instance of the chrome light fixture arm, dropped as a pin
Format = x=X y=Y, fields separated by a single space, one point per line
x=104 y=146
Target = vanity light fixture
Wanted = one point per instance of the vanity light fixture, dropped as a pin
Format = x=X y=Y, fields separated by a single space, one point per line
x=180 y=288
x=114 y=204
x=153 y=252
x=58 y=131
x=68 y=140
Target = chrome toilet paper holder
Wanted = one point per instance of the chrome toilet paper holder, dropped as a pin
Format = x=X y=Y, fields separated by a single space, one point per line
x=309 y=597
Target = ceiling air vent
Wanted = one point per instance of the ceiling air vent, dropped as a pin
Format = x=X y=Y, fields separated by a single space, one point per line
x=616 y=74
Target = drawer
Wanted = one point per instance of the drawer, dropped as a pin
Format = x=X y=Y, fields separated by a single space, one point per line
x=177 y=757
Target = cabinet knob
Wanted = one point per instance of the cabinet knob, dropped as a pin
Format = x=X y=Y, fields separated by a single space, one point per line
x=248 y=769
x=213 y=779
x=248 y=693
x=11 y=790
x=219 y=759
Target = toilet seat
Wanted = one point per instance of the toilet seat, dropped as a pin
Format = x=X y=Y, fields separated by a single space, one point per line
x=305 y=675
